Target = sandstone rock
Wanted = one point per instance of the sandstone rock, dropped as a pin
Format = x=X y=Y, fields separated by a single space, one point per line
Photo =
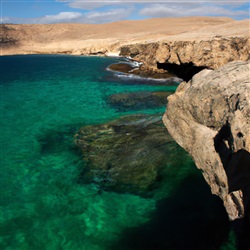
x=211 y=53
x=209 y=116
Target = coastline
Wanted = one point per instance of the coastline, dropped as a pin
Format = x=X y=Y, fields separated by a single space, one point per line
x=202 y=41
x=183 y=53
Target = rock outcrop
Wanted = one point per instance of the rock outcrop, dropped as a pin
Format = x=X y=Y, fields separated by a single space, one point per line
x=211 y=53
x=209 y=116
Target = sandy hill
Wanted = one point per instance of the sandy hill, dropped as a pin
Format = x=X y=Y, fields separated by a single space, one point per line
x=93 y=38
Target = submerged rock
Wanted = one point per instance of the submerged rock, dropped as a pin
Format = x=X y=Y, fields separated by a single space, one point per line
x=210 y=118
x=127 y=154
x=138 y=100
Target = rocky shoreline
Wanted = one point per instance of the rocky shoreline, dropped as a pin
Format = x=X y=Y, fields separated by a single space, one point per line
x=158 y=44
x=209 y=113
x=136 y=69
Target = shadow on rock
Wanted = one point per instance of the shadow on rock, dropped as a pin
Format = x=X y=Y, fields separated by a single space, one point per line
x=188 y=220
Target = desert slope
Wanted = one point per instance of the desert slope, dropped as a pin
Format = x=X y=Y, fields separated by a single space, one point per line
x=202 y=41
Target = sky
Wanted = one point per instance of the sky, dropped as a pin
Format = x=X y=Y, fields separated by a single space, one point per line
x=83 y=11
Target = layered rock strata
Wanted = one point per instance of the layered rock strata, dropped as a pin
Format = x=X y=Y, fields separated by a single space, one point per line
x=209 y=116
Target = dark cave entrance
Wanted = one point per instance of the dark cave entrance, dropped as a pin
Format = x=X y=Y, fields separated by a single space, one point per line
x=185 y=70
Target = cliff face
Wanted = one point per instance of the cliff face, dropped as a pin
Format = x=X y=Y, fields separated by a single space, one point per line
x=209 y=116
x=211 y=53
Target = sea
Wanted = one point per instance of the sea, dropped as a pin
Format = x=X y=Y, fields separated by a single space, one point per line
x=45 y=100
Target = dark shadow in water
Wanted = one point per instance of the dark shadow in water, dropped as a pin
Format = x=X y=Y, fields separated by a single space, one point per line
x=60 y=139
x=192 y=218
x=242 y=230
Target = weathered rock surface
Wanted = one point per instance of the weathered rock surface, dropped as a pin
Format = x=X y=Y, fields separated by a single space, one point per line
x=211 y=53
x=128 y=154
x=209 y=116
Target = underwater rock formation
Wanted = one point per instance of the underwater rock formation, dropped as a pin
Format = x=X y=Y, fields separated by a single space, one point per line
x=209 y=116
x=126 y=155
x=138 y=100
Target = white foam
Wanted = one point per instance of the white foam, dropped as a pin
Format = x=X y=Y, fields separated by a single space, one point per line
x=132 y=76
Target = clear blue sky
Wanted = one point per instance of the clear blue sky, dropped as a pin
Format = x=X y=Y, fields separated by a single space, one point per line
x=82 y=11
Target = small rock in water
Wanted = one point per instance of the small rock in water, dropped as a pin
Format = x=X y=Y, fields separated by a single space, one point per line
x=138 y=70
x=121 y=67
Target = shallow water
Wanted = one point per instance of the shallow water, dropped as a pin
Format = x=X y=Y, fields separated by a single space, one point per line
x=45 y=99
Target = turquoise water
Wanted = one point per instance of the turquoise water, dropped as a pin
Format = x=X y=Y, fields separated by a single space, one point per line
x=45 y=99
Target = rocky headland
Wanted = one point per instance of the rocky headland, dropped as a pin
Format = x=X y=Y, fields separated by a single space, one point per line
x=209 y=116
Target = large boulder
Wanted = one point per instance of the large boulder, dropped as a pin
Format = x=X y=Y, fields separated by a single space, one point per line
x=209 y=116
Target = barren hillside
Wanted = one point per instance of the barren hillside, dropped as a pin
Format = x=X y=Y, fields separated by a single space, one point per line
x=107 y=38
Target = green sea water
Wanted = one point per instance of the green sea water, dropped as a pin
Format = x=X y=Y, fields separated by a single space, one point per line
x=45 y=99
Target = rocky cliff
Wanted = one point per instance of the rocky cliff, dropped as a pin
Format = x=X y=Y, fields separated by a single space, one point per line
x=209 y=116
x=186 y=55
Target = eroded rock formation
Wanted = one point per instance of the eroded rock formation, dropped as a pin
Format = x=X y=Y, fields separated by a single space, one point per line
x=209 y=116
x=211 y=53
